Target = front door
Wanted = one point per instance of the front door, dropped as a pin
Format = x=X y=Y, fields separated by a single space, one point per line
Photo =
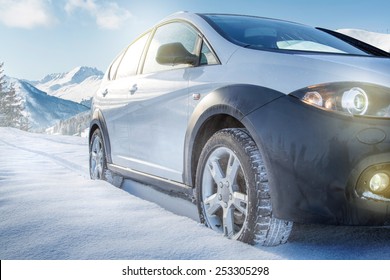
x=158 y=113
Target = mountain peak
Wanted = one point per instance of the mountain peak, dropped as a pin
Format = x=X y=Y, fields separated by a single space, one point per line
x=78 y=84
x=76 y=75
x=80 y=73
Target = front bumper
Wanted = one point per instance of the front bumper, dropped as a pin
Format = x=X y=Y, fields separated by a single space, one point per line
x=315 y=161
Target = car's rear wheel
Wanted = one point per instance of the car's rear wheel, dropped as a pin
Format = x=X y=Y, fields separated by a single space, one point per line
x=233 y=194
x=97 y=157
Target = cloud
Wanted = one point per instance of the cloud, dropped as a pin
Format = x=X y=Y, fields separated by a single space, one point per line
x=88 y=5
x=26 y=13
x=108 y=15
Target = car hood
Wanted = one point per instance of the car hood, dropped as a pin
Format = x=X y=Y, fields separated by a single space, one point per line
x=378 y=65
x=287 y=72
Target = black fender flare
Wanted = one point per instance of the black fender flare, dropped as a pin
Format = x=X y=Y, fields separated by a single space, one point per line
x=236 y=101
x=99 y=121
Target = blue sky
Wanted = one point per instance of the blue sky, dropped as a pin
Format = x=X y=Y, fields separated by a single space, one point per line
x=39 y=37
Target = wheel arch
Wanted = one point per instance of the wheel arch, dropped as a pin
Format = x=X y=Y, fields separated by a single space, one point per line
x=98 y=122
x=225 y=107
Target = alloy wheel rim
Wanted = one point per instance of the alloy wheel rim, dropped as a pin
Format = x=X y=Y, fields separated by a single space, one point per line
x=224 y=193
x=97 y=158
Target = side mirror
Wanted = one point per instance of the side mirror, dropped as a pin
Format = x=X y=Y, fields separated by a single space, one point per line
x=175 y=53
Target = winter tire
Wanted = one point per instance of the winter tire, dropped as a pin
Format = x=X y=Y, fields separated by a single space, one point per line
x=97 y=157
x=233 y=195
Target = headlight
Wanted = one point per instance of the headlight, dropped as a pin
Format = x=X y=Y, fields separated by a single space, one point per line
x=355 y=101
x=350 y=98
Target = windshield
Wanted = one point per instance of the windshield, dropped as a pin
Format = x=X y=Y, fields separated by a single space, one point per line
x=262 y=33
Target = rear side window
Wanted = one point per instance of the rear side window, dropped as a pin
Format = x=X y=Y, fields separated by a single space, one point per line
x=130 y=60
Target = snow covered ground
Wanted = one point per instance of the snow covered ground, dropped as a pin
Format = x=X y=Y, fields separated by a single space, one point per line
x=50 y=209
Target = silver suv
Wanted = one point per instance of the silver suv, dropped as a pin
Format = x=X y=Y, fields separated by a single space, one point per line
x=262 y=122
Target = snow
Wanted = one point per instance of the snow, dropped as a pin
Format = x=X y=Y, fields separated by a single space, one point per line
x=50 y=209
x=378 y=40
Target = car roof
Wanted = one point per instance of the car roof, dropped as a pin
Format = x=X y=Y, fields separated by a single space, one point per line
x=193 y=16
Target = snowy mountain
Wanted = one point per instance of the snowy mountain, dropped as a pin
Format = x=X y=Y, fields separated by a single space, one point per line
x=41 y=109
x=77 y=85
x=379 y=40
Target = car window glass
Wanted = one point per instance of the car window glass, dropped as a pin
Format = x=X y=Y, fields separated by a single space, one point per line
x=261 y=33
x=114 y=66
x=130 y=60
x=175 y=32
x=206 y=56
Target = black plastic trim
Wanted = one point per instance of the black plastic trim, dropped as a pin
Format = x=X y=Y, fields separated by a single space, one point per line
x=167 y=186
x=236 y=101
x=99 y=121
x=314 y=160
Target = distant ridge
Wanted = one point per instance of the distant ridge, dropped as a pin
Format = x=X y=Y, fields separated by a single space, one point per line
x=41 y=109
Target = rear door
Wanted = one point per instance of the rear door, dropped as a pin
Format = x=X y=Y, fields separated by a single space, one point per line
x=115 y=98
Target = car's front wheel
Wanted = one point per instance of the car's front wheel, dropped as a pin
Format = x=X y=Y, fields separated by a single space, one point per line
x=233 y=194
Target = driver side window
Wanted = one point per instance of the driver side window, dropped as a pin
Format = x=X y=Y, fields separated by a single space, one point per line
x=175 y=32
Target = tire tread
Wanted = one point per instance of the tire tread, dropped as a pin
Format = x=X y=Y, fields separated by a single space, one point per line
x=268 y=230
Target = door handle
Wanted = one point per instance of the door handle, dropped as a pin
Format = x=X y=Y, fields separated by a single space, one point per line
x=105 y=92
x=133 y=89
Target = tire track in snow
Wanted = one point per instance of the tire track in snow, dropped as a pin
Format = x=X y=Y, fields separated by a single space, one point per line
x=77 y=168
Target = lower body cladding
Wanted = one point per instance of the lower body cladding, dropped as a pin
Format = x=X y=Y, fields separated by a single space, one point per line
x=324 y=167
